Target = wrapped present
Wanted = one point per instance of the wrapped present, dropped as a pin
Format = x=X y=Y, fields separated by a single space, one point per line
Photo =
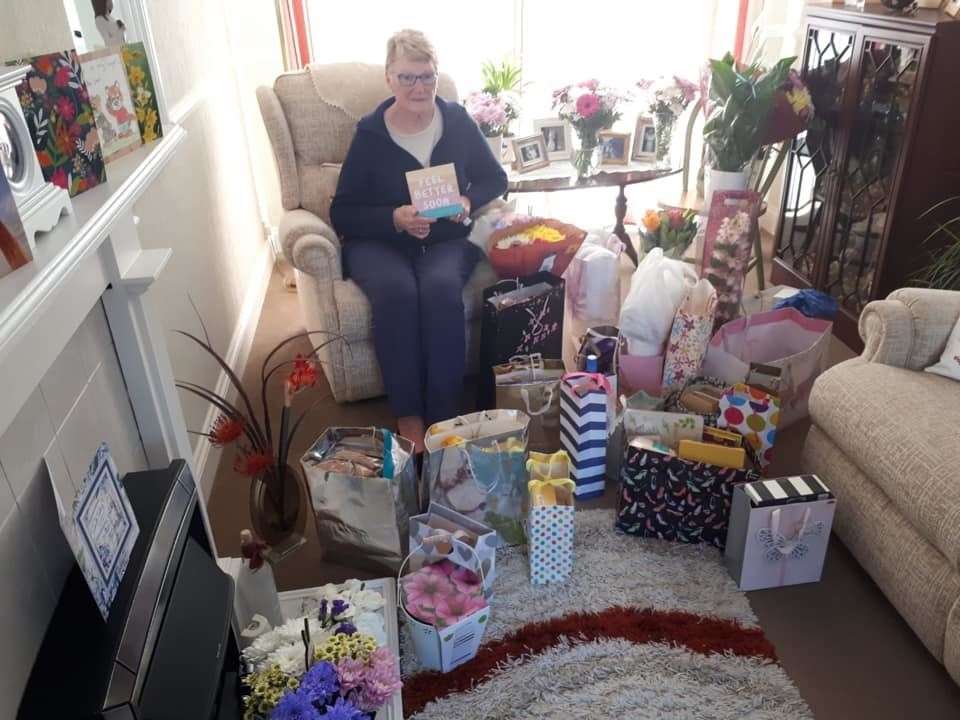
x=673 y=499
x=755 y=414
x=779 y=532
x=531 y=384
x=583 y=429
x=476 y=464
x=550 y=530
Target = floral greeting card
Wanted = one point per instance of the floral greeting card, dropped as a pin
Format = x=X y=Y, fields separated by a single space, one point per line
x=112 y=104
x=142 y=90
x=57 y=108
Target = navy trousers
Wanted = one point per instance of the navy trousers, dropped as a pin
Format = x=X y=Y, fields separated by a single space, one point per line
x=416 y=293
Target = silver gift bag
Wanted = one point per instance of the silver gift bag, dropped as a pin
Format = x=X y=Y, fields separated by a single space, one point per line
x=363 y=488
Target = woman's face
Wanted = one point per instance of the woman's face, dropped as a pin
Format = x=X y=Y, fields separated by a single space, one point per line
x=419 y=96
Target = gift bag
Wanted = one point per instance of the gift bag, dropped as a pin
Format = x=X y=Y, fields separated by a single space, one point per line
x=550 y=530
x=520 y=317
x=363 y=488
x=689 y=337
x=583 y=429
x=656 y=290
x=593 y=280
x=785 y=338
x=603 y=342
x=476 y=465
x=754 y=414
x=779 y=532
x=641 y=372
x=532 y=385
x=668 y=498
x=726 y=247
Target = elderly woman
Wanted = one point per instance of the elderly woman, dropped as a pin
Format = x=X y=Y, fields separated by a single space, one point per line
x=413 y=268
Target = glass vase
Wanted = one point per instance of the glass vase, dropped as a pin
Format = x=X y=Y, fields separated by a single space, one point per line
x=664 y=127
x=587 y=158
x=277 y=509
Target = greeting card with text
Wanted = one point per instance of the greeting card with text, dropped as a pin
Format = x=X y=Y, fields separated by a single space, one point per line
x=434 y=191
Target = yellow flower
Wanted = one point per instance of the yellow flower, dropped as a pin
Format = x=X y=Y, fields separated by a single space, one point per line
x=544 y=233
x=137 y=76
x=799 y=100
x=651 y=221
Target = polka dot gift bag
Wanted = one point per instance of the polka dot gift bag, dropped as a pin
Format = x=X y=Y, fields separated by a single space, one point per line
x=755 y=414
x=550 y=530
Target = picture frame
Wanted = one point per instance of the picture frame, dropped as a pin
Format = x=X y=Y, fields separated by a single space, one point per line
x=614 y=147
x=557 y=136
x=644 y=140
x=114 y=110
x=530 y=152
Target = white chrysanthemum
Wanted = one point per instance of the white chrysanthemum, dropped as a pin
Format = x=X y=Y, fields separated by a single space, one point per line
x=371 y=623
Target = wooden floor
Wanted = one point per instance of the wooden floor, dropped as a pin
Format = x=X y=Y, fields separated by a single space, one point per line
x=840 y=640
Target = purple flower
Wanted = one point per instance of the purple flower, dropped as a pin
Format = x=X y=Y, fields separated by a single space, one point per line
x=351 y=673
x=320 y=682
x=343 y=709
x=345 y=629
x=338 y=608
x=295 y=706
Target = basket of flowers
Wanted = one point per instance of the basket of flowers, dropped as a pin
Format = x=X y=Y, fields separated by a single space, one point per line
x=525 y=247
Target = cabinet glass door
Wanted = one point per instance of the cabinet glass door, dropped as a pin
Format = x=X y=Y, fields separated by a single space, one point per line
x=826 y=69
x=888 y=76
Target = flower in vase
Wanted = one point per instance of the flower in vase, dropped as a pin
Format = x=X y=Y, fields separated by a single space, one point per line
x=295 y=706
x=225 y=430
x=252 y=463
x=303 y=375
x=344 y=709
x=319 y=682
x=426 y=589
x=588 y=105
x=351 y=673
x=591 y=84
x=651 y=221
x=453 y=608
x=675 y=218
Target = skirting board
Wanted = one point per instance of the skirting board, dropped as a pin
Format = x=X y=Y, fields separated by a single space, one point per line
x=236 y=358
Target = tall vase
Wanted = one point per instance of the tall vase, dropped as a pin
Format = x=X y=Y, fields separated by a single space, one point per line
x=277 y=508
x=665 y=122
x=722 y=180
x=496 y=146
x=587 y=158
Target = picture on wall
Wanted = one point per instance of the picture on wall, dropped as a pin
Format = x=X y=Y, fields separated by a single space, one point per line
x=143 y=91
x=14 y=251
x=112 y=103
x=557 y=136
x=57 y=108
x=614 y=148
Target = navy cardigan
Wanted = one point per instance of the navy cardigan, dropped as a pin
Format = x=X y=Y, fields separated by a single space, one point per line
x=373 y=182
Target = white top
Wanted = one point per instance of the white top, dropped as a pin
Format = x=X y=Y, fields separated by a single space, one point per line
x=109 y=31
x=420 y=144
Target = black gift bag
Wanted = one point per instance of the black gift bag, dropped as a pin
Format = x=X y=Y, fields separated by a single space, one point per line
x=520 y=317
x=669 y=498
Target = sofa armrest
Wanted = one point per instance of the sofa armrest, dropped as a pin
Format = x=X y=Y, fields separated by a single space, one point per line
x=910 y=328
x=310 y=245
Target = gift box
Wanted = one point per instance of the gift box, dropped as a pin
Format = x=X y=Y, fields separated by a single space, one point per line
x=583 y=430
x=550 y=530
x=779 y=531
x=755 y=414
x=669 y=498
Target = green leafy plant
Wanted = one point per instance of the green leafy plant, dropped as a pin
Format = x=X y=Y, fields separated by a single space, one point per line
x=943 y=272
x=504 y=80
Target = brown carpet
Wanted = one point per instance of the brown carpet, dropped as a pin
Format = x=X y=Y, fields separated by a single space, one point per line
x=840 y=640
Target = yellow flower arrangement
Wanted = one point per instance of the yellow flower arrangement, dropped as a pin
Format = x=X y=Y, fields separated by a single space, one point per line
x=266 y=689
x=358 y=646
x=544 y=233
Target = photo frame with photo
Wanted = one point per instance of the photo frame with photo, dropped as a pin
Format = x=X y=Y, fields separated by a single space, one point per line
x=614 y=147
x=557 y=136
x=530 y=152
x=113 y=108
x=645 y=140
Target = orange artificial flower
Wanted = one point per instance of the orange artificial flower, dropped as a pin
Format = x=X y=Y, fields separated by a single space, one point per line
x=303 y=375
x=651 y=221
x=251 y=463
x=225 y=430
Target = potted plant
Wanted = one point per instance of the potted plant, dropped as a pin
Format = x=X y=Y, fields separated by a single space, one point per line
x=490 y=114
x=589 y=107
x=503 y=80
x=750 y=108
x=943 y=272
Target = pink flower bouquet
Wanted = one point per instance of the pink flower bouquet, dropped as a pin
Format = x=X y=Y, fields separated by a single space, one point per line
x=442 y=594
x=490 y=112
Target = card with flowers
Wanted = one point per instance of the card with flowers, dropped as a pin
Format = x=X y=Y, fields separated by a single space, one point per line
x=55 y=103
x=727 y=246
x=112 y=104
x=143 y=92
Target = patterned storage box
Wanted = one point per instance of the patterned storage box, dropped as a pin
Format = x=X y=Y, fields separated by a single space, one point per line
x=672 y=499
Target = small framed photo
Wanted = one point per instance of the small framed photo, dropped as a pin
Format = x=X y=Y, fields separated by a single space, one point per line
x=614 y=147
x=645 y=140
x=952 y=8
x=531 y=153
x=557 y=136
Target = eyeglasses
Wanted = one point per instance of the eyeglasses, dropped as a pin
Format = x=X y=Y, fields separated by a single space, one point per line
x=427 y=79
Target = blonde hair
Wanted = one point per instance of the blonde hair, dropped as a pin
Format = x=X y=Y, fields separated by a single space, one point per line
x=412 y=45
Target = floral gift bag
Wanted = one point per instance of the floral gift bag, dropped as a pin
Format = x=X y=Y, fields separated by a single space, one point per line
x=726 y=247
x=689 y=337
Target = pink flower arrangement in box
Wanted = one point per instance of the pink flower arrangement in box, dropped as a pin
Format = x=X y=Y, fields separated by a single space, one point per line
x=442 y=594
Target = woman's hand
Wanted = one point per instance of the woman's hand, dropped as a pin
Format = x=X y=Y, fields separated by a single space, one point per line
x=406 y=219
x=461 y=216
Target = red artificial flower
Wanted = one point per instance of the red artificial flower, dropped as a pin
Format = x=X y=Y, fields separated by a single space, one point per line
x=252 y=464
x=44 y=158
x=43 y=65
x=62 y=76
x=66 y=109
x=675 y=218
x=60 y=178
x=303 y=375
x=225 y=430
x=588 y=105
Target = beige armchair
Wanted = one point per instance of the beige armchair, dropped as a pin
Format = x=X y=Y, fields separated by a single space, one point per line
x=885 y=439
x=311 y=117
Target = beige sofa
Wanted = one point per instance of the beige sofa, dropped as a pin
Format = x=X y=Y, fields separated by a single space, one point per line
x=311 y=117
x=886 y=439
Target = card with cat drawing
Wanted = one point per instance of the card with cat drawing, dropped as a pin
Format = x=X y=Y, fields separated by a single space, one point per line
x=113 y=108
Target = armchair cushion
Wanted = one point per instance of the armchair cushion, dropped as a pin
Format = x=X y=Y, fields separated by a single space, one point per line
x=319 y=184
x=910 y=328
x=899 y=428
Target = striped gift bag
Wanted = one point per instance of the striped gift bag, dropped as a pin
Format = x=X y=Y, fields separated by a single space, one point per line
x=583 y=430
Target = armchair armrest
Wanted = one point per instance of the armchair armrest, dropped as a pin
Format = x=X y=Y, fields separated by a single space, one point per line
x=310 y=245
x=910 y=328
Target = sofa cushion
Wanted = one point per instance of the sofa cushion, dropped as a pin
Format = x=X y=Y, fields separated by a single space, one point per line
x=356 y=316
x=318 y=185
x=900 y=428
